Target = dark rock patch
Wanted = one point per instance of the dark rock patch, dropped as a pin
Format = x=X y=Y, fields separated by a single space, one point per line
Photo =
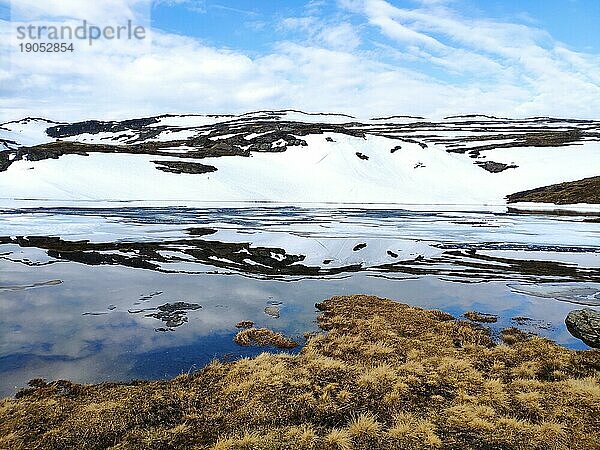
x=584 y=324
x=522 y=137
x=96 y=126
x=179 y=167
x=552 y=138
x=495 y=167
x=5 y=161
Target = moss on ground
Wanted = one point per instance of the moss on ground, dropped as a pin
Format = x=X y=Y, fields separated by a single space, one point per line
x=383 y=375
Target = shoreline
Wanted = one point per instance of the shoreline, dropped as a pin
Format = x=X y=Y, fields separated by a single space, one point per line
x=381 y=375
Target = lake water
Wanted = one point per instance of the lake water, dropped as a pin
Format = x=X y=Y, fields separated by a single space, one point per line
x=142 y=293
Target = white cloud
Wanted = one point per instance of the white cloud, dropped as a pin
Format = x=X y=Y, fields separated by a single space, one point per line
x=511 y=53
x=330 y=34
x=197 y=6
x=427 y=60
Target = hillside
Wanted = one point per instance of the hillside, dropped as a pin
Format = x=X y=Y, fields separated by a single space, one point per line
x=290 y=156
x=580 y=191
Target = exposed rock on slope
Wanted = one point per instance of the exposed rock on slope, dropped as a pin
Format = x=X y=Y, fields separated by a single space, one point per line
x=494 y=167
x=184 y=167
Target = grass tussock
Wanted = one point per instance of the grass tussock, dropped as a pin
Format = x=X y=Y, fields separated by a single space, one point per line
x=383 y=376
x=263 y=337
x=475 y=316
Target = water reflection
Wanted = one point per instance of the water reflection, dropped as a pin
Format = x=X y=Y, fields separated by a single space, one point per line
x=103 y=319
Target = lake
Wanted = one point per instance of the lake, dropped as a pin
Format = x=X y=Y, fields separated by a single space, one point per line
x=121 y=293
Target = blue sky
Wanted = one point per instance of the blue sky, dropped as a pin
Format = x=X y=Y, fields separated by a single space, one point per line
x=248 y=24
x=362 y=57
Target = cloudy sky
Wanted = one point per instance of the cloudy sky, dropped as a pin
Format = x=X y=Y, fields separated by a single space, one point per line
x=362 y=57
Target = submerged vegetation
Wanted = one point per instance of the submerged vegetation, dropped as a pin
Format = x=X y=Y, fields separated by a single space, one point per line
x=475 y=316
x=382 y=375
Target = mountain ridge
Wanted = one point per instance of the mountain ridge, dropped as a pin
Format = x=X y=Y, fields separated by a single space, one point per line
x=278 y=155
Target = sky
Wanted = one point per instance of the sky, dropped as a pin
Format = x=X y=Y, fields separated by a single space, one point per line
x=361 y=57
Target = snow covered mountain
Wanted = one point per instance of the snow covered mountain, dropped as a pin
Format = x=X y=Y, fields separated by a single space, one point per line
x=293 y=157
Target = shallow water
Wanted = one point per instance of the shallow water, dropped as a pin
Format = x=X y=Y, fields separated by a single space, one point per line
x=81 y=289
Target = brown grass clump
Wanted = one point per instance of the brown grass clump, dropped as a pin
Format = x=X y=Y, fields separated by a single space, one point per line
x=338 y=440
x=513 y=335
x=383 y=376
x=244 y=324
x=480 y=317
x=263 y=337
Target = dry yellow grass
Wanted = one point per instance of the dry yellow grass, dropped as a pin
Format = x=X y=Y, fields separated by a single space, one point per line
x=383 y=376
x=263 y=337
